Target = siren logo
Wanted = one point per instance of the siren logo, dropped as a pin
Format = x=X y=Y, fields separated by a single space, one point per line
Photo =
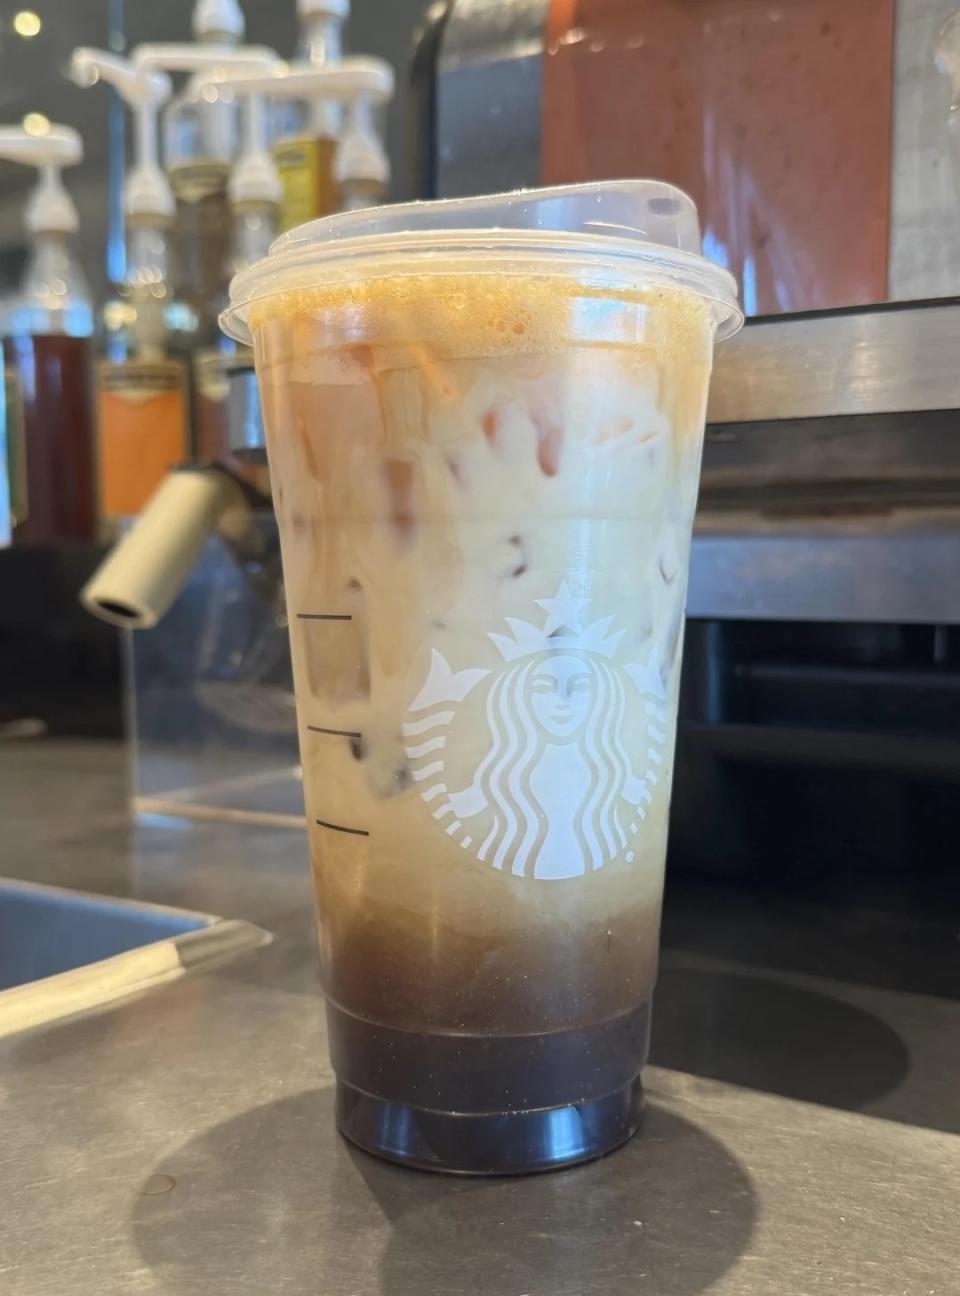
x=542 y=782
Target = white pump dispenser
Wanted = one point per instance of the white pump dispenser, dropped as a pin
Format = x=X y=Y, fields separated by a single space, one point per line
x=142 y=392
x=216 y=132
x=54 y=296
x=200 y=136
x=254 y=189
x=147 y=191
x=361 y=167
x=50 y=209
x=321 y=46
x=254 y=177
x=143 y=321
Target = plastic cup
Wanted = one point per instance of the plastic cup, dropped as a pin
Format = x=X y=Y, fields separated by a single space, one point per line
x=484 y=422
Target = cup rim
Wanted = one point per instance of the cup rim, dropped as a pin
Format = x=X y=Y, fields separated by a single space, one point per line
x=445 y=235
x=607 y=261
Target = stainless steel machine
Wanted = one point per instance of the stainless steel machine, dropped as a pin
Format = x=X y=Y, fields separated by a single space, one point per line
x=821 y=704
x=821 y=712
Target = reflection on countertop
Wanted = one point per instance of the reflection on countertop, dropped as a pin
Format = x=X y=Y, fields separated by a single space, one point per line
x=801 y=1136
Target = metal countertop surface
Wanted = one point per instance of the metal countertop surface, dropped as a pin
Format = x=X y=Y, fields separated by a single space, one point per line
x=801 y=1135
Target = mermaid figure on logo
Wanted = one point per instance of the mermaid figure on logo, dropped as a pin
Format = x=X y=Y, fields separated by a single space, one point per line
x=555 y=795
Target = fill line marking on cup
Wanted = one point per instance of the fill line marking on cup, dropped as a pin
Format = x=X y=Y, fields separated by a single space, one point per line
x=358 y=832
x=336 y=733
x=324 y=616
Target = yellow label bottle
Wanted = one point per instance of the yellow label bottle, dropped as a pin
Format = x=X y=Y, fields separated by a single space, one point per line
x=305 y=165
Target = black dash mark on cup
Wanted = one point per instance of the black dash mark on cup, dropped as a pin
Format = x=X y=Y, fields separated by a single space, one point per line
x=324 y=616
x=336 y=733
x=357 y=832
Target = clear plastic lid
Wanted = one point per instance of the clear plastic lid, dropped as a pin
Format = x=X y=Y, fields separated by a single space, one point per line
x=625 y=232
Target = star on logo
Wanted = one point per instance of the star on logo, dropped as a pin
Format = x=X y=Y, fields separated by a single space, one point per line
x=563 y=611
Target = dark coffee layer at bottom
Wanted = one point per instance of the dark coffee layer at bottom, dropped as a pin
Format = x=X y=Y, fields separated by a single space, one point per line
x=496 y=1143
x=488 y=1073
x=489 y=1104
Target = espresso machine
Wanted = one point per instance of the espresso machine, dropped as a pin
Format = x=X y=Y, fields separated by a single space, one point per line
x=820 y=715
x=822 y=687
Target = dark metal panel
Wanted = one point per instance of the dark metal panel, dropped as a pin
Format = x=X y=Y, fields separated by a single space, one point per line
x=488 y=96
x=893 y=574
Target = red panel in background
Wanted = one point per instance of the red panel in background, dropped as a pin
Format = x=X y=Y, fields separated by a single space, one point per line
x=776 y=117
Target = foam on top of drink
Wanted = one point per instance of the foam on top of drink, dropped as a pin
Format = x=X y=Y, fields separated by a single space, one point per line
x=460 y=313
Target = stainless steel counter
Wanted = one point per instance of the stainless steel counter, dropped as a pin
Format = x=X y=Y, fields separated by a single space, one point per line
x=802 y=1133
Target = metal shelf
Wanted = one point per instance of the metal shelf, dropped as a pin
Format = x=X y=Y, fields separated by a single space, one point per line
x=881 y=360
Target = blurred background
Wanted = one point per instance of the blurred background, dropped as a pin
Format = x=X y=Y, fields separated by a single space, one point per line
x=817 y=137
x=35 y=66
x=814 y=136
x=35 y=81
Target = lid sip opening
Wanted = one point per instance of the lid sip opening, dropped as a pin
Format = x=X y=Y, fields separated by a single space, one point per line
x=627 y=231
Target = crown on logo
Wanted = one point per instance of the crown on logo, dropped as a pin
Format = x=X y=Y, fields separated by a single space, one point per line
x=562 y=628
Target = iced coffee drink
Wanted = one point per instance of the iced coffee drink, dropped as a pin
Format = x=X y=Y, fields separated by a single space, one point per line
x=484 y=466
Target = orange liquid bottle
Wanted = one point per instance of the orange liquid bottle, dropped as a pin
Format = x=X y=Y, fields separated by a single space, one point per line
x=142 y=389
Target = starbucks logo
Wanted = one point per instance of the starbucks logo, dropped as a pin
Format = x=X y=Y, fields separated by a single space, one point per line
x=570 y=753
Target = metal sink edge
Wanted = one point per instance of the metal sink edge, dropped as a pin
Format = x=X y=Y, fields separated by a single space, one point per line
x=99 y=984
